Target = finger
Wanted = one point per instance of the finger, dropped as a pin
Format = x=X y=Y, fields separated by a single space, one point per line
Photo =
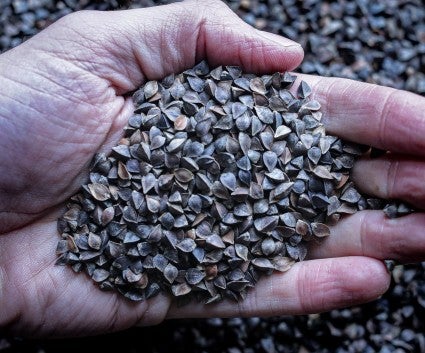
x=371 y=233
x=392 y=177
x=308 y=287
x=378 y=116
x=128 y=47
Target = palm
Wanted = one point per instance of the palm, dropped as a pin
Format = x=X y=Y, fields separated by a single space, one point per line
x=80 y=110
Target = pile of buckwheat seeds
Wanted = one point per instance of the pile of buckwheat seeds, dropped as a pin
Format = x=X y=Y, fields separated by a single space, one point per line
x=221 y=177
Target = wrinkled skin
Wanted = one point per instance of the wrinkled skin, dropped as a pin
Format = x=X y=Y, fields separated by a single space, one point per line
x=62 y=99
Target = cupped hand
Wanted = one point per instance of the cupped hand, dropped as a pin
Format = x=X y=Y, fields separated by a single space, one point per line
x=63 y=98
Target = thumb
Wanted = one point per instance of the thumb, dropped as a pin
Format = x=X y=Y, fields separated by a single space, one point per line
x=129 y=47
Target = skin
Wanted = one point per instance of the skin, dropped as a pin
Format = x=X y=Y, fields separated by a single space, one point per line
x=62 y=99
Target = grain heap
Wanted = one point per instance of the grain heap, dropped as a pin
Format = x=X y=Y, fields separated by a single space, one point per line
x=221 y=177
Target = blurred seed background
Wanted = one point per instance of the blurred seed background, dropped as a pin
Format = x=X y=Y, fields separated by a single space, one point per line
x=380 y=42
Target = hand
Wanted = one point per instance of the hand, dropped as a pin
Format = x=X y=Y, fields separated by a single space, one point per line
x=62 y=100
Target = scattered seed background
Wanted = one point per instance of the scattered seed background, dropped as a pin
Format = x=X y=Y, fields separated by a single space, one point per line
x=380 y=42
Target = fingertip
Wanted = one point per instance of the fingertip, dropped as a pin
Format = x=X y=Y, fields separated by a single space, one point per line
x=329 y=284
x=371 y=279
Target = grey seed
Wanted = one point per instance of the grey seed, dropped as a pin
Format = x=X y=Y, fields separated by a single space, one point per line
x=230 y=219
x=242 y=251
x=257 y=85
x=129 y=214
x=298 y=187
x=150 y=89
x=155 y=234
x=255 y=191
x=130 y=237
x=222 y=94
x=277 y=175
x=144 y=248
x=268 y=246
x=322 y=172
x=243 y=122
x=304 y=90
x=228 y=180
x=195 y=203
x=225 y=123
x=270 y=160
x=122 y=152
x=94 y=241
x=242 y=210
x=205 y=162
x=99 y=191
x=262 y=263
x=281 y=132
x=186 y=245
x=289 y=219
x=256 y=126
x=165 y=181
x=243 y=83
x=285 y=231
x=181 y=122
x=244 y=142
x=123 y=172
x=153 y=204
x=320 y=230
x=281 y=191
x=238 y=109
x=181 y=222
x=302 y=227
x=350 y=195
x=131 y=277
x=148 y=182
x=199 y=254
x=156 y=142
x=175 y=197
x=311 y=105
x=240 y=194
x=170 y=273
x=220 y=191
x=314 y=154
x=232 y=145
x=201 y=68
x=261 y=206
x=183 y=175
x=107 y=215
x=264 y=114
x=266 y=224
x=194 y=276
x=203 y=127
x=307 y=140
x=159 y=262
x=176 y=145
x=167 y=220
x=245 y=177
x=193 y=149
x=293 y=251
x=244 y=163
x=196 y=83
x=100 y=275
x=180 y=289
x=282 y=263
x=189 y=163
x=152 y=290
x=203 y=183
x=215 y=241
x=319 y=201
